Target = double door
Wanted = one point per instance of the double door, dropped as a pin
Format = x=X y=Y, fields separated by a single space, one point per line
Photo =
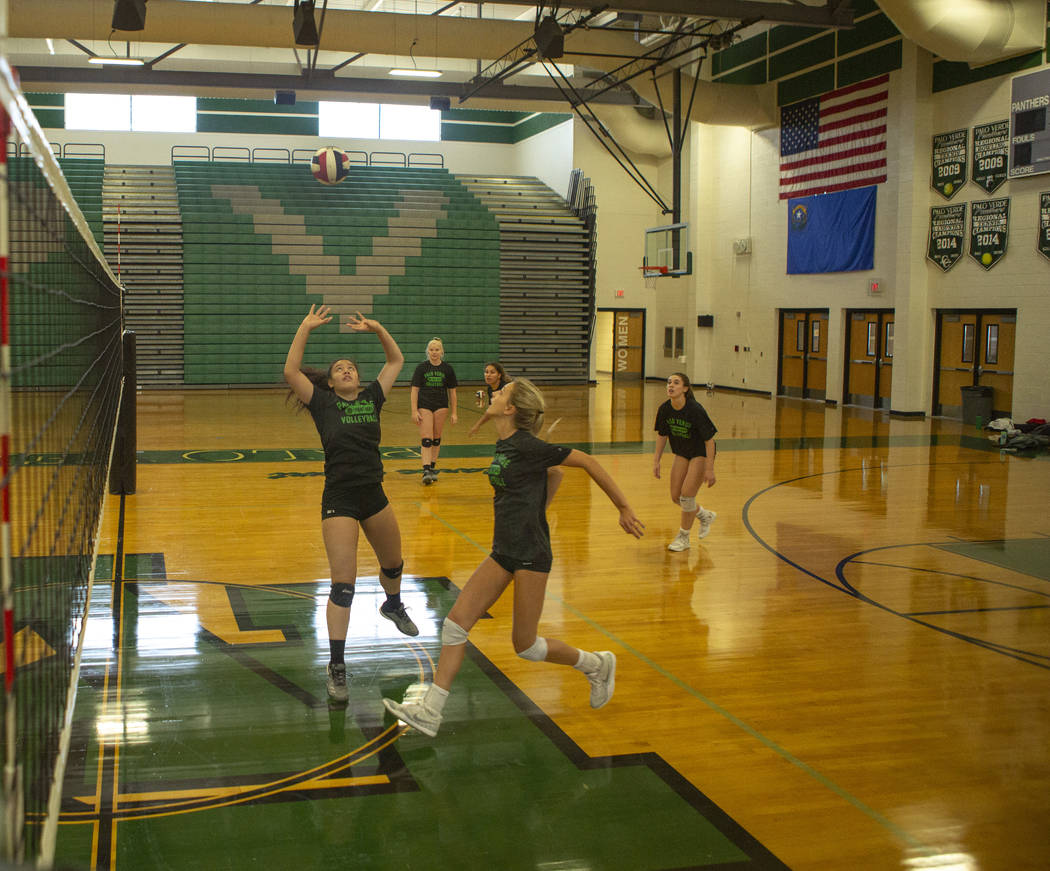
x=803 y=353
x=869 y=366
x=975 y=349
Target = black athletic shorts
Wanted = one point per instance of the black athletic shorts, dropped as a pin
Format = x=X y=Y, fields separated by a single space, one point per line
x=360 y=503
x=431 y=405
x=512 y=564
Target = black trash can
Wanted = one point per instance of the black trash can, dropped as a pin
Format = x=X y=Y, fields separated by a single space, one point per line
x=976 y=404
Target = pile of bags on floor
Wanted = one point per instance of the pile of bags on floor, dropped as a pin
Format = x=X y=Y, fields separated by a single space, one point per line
x=1032 y=434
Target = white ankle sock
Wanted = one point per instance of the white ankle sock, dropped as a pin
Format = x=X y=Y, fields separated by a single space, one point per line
x=435 y=698
x=588 y=662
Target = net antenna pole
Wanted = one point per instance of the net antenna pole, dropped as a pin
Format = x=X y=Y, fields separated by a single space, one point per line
x=13 y=822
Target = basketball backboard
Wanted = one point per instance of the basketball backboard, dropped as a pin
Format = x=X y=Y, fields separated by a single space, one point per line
x=668 y=247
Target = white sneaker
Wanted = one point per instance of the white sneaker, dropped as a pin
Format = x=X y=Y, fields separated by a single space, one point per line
x=415 y=714
x=681 y=542
x=603 y=681
x=337 y=689
x=706 y=518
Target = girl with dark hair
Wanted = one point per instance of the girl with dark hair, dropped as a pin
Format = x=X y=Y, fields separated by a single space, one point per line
x=433 y=401
x=684 y=422
x=346 y=414
x=521 y=552
x=495 y=379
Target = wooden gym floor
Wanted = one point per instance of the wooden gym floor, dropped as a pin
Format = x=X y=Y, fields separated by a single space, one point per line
x=851 y=672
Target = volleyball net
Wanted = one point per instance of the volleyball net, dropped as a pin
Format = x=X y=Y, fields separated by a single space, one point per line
x=60 y=387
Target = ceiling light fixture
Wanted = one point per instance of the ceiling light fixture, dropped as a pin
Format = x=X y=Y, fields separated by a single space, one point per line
x=416 y=72
x=118 y=61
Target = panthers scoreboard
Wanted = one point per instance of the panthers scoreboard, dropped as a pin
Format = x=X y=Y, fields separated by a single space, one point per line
x=1030 y=124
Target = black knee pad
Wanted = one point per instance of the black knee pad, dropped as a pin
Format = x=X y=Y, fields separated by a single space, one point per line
x=426 y=442
x=393 y=573
x=435 y=442
x=341 y=595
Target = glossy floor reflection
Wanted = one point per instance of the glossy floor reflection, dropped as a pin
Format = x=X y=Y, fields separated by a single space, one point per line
x=850 y=672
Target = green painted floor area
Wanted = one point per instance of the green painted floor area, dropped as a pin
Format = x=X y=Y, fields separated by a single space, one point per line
x=201 y=741
x=1029 y=556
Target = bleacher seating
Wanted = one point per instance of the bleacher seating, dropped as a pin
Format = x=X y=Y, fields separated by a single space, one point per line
x=412 y=248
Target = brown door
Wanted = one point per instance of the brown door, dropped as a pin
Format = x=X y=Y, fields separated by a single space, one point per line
x=628 y=345
x=885 y=376
x=817 y=357
x=793 y=341
x=803 y=354
x=976 y=349
x=862 y=370
x=869 y=366
x=995 y=366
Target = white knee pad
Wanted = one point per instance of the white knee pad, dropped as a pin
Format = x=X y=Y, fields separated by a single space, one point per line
x=537 y=652
x=688 y=503
x=452 y=633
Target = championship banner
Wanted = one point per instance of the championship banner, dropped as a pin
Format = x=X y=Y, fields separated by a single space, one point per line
x=949 y=162
x=947 y=231
x=991 y=149
x=989 y=220
x=1043 y=243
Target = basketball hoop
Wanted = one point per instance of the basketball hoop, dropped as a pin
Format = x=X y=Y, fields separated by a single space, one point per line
x=653 y=271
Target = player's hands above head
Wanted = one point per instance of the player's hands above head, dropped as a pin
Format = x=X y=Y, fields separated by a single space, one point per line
x=318 y=315
x=359 y=323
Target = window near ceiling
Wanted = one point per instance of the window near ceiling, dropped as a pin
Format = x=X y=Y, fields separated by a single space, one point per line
x=98 y=112
x=155 y=114
x=142 y=113
x=379 y=121
x=349 y=120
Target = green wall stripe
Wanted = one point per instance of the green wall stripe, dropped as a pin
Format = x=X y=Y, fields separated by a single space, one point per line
x=266 y=107
x=489 y=116
x=55 y=118
x=257 y=124
x=495 y=133
x=537 y=124
x=952 y=74
x=752 y=75
x=883 y=59
x=35 y=99
x=810 y=84
x=802 y=57
x=871 y=30
x=744 y=52
x=789 y=34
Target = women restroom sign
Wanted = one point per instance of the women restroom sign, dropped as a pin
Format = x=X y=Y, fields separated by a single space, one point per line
x=629 y=330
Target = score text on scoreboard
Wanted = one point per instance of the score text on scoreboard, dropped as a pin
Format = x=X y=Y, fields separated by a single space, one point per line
x=1029 y=130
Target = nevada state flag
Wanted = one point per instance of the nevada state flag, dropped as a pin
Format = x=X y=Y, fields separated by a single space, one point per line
x=832 y=232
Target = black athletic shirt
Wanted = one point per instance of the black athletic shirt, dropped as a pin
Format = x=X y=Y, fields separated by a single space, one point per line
x=686 y=429
x=433 y=383
x=503 y=382
x=518 y=474
x=350 y=435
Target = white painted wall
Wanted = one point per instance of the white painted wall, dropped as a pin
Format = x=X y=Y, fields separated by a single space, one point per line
x=548 y=156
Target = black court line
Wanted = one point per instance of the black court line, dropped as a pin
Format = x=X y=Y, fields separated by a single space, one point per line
x=843 y=586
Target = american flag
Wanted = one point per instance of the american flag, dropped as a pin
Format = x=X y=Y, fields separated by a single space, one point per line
x=834 y=142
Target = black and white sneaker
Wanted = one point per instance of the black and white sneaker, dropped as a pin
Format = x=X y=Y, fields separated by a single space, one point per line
x=337 y=689
x=399 y=617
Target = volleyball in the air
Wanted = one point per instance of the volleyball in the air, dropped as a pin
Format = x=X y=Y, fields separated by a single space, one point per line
x=330 y=165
